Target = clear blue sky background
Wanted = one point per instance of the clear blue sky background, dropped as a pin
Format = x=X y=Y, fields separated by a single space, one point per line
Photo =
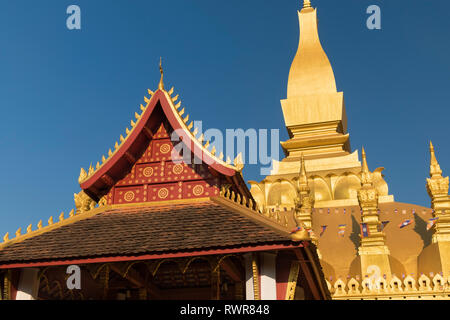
x=66 y=96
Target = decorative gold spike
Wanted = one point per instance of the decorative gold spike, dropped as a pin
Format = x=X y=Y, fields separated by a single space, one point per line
x=206 y=145
x=29 y=228
x=435 y=168
x=91 y=170
x=97 y=165
x=194 y=133
x=171 y=91
x=133 y=124
x=181 y=112
x=50 y=221
x=366 y=175
x=122 y=139
x=103 y=159
x=71 y=213
x=39 y=225
x=239 y=162
x=6 y=237
x=175 y=98
x=190 y=125
x=61 y=216
x=116 y=146
x=306 y=4
x=250 y=204
x=150 y=92
x=161 y=82
x=201 y=138
x=147 y=100
x=228 y=160
x=213 y=150
x=18 y=232
x=83 y=175
x=127 y=131
x=185 y=120
x=178 y=105
x=110 y=153
x=221 y=156
x=142 y=108
x=137 y=116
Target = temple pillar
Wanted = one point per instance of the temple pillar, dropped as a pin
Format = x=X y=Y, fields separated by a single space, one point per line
x=268 y=276
x=28 y=284
x=249 y=281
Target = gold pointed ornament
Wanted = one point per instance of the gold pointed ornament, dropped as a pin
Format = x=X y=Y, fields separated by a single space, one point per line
x=83 y=175
x=161 y=81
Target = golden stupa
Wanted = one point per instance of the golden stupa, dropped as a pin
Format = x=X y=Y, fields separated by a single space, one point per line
x=370 y=246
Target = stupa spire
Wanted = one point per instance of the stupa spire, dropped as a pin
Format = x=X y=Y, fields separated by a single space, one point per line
x=303 y=177
x=435 y=168
x=311 y=71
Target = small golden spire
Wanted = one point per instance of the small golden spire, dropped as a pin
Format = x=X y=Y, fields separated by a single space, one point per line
x=161 y=83
x=306 y=4
x=303 y=177
x=365 y=167
x=435 y=169
x=366 y=175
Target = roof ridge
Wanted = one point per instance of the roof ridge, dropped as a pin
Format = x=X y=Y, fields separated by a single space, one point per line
x=73 y=217
x=252 y=210
x=237 y=164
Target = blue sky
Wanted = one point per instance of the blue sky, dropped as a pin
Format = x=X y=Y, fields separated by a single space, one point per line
x=66 y=96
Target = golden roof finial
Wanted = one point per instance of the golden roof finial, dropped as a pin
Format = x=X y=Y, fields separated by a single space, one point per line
x=306 y=4
x=161 y=83
x=435 y=169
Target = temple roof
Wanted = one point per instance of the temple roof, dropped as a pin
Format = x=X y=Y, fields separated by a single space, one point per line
x=162 y=105
x=124 y=231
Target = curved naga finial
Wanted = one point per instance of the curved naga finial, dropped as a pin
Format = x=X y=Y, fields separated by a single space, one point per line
x=161 y=83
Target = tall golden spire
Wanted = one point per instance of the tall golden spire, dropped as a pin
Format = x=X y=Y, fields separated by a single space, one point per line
x=437 y=188
x=311 y=70
x=435 y=169
x=161 y=83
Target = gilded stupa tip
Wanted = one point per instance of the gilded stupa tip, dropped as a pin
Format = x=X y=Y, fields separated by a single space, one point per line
x=311 y=71
x=161 y=82
x=435 y=169
x=365 y=167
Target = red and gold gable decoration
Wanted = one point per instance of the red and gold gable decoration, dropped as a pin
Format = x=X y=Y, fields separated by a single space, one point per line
x=158 y=177
x=146 y=168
